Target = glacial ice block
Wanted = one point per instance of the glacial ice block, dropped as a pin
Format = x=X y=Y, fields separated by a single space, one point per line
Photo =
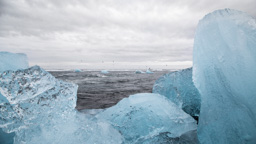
x=224 y=72
x=13 y=61
x=145 y=118
x=41 y=109
x=179 y=88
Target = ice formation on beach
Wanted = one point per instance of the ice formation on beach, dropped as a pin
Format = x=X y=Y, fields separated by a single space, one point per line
x=150 y=118
x=41 y=109
x=224 y=71
x=179 y=88
x=104 y=72
x=13 y=61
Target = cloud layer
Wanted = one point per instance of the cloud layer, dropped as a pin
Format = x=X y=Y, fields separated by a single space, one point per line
x=111 y=34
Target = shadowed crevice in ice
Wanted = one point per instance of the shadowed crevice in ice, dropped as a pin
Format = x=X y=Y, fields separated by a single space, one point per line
x=179 y=88
x=224 y=71
x=146 y=118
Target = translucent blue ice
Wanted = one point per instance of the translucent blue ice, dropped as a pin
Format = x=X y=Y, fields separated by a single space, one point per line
x=224 y=71
x=179 y=88
x=41 y=109
x=13 y=61
x=150 y=118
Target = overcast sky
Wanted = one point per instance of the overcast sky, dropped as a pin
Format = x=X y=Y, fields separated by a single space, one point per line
x=106 y=34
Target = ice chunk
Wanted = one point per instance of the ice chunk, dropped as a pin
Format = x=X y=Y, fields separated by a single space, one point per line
x=77 y=70
x=104 y=72
x=32 y=95
x=179 y=88
x=139 y=72
x=224 y=72
x=41 y=109
x=143 y=117
x=13 y=61
x=149 y=72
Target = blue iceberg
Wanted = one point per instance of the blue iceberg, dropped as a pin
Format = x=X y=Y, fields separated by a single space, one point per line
x=10 y=61
x=104 y=72
x=13 y=61
x=224 y=72
x=150 y=118
x=179 y=88
x=41 y=109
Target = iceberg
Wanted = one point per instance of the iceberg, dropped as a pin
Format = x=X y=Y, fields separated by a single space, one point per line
x=139 y=72
x=104 y=72
x=77 y=70
x=179 y=88
x=41 y=109
x=224 y=72
x=10 y=61
x=149 y=72
x=149 y=118
x=13 y=61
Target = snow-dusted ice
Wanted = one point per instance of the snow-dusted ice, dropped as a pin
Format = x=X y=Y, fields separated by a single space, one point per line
x=224 y=71
x=179 y=88
x=13 y=61
x=149 y=118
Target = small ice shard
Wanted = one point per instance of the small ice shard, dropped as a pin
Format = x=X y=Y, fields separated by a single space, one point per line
x=104 y=72
x=41 y=109
x=13 y=61
x=224 y=72
x=146 y=116
x=149 y=71
x=179 y=88
x=77 y=70
x=139 y=72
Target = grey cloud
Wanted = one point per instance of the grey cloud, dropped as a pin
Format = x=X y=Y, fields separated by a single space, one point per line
x=134 y=31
